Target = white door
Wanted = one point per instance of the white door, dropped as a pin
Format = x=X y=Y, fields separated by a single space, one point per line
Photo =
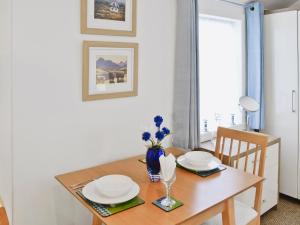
x=299 y=119
x=281 y=86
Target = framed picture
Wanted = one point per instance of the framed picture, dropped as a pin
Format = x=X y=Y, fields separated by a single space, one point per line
x=110 y=70
x=108 y=17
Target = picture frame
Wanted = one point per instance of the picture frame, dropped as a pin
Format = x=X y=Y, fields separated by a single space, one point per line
x=110 y=70
x=109 y=17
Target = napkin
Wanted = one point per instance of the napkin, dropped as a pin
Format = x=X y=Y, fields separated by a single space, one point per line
x=167 y=167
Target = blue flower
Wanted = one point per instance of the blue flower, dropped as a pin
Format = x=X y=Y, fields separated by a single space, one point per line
x=159 y=135
x=158 y=121
x=166 y=131
x=146 y=136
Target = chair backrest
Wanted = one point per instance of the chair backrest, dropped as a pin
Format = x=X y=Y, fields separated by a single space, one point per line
x=250 y=140
x=247 y=143
x=3 y=215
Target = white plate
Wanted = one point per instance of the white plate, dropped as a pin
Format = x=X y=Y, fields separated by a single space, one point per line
x=91 y=193
x=198 y=158
x=113 y=186
x=212 y=164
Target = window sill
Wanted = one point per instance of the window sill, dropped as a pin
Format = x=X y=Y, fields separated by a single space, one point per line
x=210 y=135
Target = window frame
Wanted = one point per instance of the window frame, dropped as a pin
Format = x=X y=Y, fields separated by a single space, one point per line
x=206 y=136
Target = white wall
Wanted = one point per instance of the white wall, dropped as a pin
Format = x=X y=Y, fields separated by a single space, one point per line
x=5 y=105
x=54 y=131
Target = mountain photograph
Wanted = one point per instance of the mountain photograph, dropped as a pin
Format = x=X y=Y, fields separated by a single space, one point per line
x=110 y=9
x=111 y=70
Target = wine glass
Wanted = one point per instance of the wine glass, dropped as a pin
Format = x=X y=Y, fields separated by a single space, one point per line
x=212 y=140
x=167 y=201
x=218 y=119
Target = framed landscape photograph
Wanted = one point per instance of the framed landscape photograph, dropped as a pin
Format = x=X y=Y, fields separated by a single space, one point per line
x=108 y=17
x=110 y=70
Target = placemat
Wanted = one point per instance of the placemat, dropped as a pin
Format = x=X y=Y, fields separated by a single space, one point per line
x=204 y=173
x=167 y=209
x=106 y=210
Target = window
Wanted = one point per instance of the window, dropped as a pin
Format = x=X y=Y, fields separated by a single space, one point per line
x=221 y=71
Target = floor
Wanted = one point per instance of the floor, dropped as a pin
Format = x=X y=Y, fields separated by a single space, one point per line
x=287 y=213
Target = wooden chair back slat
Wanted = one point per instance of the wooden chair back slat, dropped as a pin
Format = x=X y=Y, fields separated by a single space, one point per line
x=223 y=147
x=238 y=155
x=230 y=151
x=251 y=139
x=255 y=159
x=247 y=156
x=3 y=215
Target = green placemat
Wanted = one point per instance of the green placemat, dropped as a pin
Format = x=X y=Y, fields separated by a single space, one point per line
x=167 y=209
x=107 y=210
x=204 y=173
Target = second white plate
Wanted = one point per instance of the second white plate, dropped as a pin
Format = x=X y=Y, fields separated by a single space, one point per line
x=213 y=164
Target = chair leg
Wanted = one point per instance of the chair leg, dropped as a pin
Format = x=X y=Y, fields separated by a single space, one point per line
x=228 y=216
x=3 y=216
x=255 y=221
x=258 y=197
x=96 y=221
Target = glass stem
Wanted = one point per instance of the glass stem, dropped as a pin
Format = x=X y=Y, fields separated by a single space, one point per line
x=168 y=193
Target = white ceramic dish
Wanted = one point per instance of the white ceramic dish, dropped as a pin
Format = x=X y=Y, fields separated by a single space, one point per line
x=91 y=193
x=211 y=164
x=198 y=158
x=113 y=186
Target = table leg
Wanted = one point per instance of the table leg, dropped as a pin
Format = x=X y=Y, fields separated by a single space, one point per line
x=228 y=216
x=258 y=221
x=97 y=221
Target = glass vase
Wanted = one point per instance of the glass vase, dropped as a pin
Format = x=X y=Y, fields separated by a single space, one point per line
x=152 y=161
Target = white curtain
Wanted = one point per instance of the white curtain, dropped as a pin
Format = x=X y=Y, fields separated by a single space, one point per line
x=186 y=88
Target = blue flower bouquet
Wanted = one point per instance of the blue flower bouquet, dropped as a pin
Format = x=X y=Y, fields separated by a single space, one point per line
x=155 y=149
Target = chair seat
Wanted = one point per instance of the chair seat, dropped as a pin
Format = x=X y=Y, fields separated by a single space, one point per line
x=243 y=215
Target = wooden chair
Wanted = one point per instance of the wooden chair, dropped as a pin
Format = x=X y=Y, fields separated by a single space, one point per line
x=256 y=144
x=3 y=215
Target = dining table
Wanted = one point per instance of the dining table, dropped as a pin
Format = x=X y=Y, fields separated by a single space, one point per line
x=202 y=197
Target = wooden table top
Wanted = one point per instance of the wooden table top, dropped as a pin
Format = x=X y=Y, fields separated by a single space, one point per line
x=198 y=194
